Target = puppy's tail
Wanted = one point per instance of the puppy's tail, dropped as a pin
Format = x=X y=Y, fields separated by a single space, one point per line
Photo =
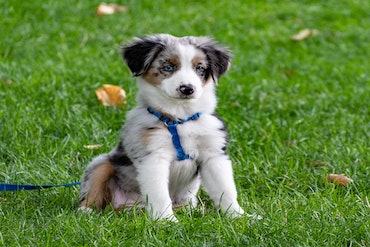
x=95 y=192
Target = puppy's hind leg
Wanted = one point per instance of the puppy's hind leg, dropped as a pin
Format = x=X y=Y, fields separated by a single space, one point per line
x=95 y=192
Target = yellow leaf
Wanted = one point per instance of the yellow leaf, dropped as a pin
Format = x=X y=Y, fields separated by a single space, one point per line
x=339 y=179
x=93 y=146
x=316 y=163
x=108 y=9
x=111 y=95
x=304 y=34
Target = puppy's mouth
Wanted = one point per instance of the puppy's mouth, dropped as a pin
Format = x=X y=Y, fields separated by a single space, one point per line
x=186 y=97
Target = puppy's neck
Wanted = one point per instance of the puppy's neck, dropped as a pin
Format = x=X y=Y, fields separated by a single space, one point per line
x=151 y=96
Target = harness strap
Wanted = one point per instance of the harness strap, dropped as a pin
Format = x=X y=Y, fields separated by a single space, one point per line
x=181 y=155
x=172 y=128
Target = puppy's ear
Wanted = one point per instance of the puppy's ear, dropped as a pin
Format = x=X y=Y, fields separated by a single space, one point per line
x=140 y=54
x=219 y=57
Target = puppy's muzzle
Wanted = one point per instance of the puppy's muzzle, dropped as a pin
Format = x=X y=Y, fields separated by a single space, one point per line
x=187 y=89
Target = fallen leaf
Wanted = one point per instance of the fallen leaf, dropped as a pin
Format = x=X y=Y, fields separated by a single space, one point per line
x=235 y=104
x=111 y=95
x=109 y=8
x=316 y=163
x=289 y=72
x=304 y=34
x=339 y=179
x=93 y=146
x=290 y=143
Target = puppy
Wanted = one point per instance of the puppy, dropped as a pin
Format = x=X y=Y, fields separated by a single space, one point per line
x=172 y=141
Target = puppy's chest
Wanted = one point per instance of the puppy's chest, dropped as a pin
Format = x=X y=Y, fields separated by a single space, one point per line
x=194 y=135
x=197 y=137
x=188 y=134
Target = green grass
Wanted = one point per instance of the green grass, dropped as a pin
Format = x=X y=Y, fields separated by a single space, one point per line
x=287 y=104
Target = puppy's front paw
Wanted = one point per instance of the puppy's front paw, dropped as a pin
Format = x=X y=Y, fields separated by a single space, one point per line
x=239 y=212
x=164 y=214
x=255 y=216
x=235 y=212
x=162 y=217
x=171 y=218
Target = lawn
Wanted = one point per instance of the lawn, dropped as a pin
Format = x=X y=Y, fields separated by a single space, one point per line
x=296 y=111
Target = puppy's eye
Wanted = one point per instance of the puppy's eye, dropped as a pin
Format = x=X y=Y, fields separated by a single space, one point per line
x=168 y=68
x=200 y=69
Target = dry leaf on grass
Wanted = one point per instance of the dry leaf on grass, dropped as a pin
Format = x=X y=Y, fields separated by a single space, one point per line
x=339 y=179
x=304 y=34
x=290 y=143
x=111 y=95
x=315 y=163
x=109 y=8
x=93 y=146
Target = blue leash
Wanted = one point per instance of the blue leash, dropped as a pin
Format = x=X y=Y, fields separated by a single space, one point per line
x=169 y=123
x=171 y=126
x=16 y=187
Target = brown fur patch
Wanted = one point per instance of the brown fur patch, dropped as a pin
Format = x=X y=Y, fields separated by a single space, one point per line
x=99 y=194
x=146 y=138
x=153 y=76
x=156 y=73
x=208 y=80
x=200 y=59
x=174 y=60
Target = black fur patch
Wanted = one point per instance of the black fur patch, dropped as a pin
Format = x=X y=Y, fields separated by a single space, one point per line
x=140 y=55
x=223 y=129
x=198 y=164
x=218 y=58
x=118 y=157
x=120 y=160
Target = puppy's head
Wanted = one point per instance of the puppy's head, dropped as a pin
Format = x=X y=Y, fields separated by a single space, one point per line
x=180 y=67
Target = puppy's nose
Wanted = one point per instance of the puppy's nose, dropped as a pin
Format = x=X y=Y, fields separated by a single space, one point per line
x=187 y=89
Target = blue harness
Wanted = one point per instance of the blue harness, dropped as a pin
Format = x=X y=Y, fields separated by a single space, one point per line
x=171 y=126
